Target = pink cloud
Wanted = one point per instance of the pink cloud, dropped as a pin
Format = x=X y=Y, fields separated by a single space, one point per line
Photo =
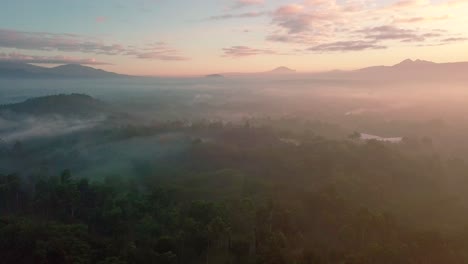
x=420 y=19
x=455 y=39
x=242 y=15
x=56 y=42
x=320 y=18
x=160 y=51
x=391 y=32
x=331 y=25
x=59 y=59
x=401 y=4
x=74 y=43
x=347 y=46
x=101 y=19
x=291 y=9
x=244 y=3
x=244 y=51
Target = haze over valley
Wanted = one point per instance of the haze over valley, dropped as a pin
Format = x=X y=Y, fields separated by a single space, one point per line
x=234 y=132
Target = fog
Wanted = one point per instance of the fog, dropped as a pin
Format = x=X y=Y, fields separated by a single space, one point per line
x=23 y=128
x=325 y=156
x=236 y=98
x=386 y=109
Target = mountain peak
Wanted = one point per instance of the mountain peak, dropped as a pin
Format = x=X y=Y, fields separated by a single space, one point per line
x=78 y=70
x=26 y=70
x=283 y=69
x=214 y=76
x=72 y=66
x=61 y=104
x=409 y=62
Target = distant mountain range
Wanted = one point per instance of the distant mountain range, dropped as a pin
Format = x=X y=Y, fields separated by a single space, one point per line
x=405 y=70
x=282 y=70
x=214 y=76
x=418 y=70
x=25 y=70
x=406 y=65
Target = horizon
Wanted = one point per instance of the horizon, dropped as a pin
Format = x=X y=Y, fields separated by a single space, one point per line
x=171 y=38
x=234 y=131
x=293 y=70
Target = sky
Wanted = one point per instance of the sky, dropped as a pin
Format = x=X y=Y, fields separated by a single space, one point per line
x=192 y=37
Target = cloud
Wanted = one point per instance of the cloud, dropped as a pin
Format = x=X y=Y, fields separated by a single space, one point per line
x=303 y=38
x=23 y=58
x=388 y=32
x=420 y=19
x=457 y=2
x=308 y=21
x=160 y=51
x=347 y=46
x=19 y=127
x=56 y=42
x=244 y=51
x=315 y=16
x=101 y=19
x=456 y=39
x=292 y=18
x=405 y=4
x=432 y=35
x=50 y=42
x=241 y=15
x=245 y=3
x=331 y=25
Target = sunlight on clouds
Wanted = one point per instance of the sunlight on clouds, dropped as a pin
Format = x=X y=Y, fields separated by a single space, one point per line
x=255 y=34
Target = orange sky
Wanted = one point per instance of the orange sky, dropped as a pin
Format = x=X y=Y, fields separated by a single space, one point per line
x=162 y=37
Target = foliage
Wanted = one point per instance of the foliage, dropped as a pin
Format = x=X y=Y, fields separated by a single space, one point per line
x=245 y=197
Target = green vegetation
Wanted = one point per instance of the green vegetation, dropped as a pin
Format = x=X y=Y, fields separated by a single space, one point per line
x=62 y=104
x=239 y=194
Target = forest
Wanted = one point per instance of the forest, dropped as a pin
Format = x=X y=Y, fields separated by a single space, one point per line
x=234 y=132
x=252 y=192
x=233 y=170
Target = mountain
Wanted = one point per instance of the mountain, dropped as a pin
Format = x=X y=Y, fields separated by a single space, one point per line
x=214 y=76
x=407 y=64
x=15 y=69
x=20 y=66
x=406 y=70
x=24 y=70
x=77 y=70
x=282 y=70
x=414 y=63
x=418 y=70
x=65 y=105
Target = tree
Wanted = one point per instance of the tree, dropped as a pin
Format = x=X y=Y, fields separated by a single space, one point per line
x=354 y=136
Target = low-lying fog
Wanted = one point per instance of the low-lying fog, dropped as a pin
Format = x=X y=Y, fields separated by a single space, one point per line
x=332 y=108
x=21 y=128
x=288 y=95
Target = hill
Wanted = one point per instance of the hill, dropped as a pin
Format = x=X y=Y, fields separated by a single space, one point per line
x=76 y=70
x=282 y=70
x=214 y=76
x=66 y=105
x=408 y=69
x=25 y=70
x=417 y=70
